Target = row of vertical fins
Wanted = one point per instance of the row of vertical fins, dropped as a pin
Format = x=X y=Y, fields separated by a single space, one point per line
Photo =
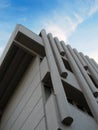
x=80 y=64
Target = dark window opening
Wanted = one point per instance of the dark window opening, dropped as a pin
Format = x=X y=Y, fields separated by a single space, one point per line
x=89 y=112
x=41 y=59
x=68 y=67
x=80 y=107
x=86 y=67
x=47 y=91
x=76 y=97
x=70 y=101
x=93 y=80
x=48 y=87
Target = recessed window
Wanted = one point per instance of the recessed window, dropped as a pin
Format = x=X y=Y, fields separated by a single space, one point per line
x=93 y=80
x=48 y=87
x=76 y=97
x=66 y=63
x=47 y=91
x=41 y=59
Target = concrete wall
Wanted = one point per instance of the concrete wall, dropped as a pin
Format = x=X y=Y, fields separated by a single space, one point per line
x=82 y=121
x=29 y=110
x=57 y=93
x=25 y=109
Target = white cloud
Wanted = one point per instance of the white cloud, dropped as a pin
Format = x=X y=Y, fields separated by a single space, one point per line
x=59 y=22
x=71 y=23
x=56 y=30
x=78 y=18
x=94 y=55
x=61 y=25
x=93 y=8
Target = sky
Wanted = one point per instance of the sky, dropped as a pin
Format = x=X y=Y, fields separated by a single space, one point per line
x=74 y=21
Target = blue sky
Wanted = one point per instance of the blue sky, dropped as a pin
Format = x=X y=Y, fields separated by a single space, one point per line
x=74 y=21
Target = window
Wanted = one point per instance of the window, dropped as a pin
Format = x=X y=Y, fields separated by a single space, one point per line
x=67 y=66
x=48 y=87
x=93 y=80
x=76 y=97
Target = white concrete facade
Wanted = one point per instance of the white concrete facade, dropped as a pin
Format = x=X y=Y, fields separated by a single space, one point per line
x=46 y=85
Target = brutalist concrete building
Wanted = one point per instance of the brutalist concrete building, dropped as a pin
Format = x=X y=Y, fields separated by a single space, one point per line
x=46 y=85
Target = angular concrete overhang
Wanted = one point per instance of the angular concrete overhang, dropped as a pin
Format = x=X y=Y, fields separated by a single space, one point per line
x=21 y=49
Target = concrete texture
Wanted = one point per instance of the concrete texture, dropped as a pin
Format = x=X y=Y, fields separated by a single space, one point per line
x=33 y=93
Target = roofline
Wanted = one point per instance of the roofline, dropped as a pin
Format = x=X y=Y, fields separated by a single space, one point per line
x=20 y=28
x=20 y=50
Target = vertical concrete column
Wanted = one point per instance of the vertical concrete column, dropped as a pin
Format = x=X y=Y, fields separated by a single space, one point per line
x=90 y=62
x=63 y=106
x=94 y=64
x=81 y=54
x=52 y=116
x=84 y=73
x=60 y=48
x=80 y=58
x=83 y=84
x=59 y=61
x=92 y=70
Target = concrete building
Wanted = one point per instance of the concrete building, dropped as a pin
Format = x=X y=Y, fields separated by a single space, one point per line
x=46 y=85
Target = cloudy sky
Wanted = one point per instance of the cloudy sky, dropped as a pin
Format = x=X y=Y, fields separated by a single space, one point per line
x=74 y=21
